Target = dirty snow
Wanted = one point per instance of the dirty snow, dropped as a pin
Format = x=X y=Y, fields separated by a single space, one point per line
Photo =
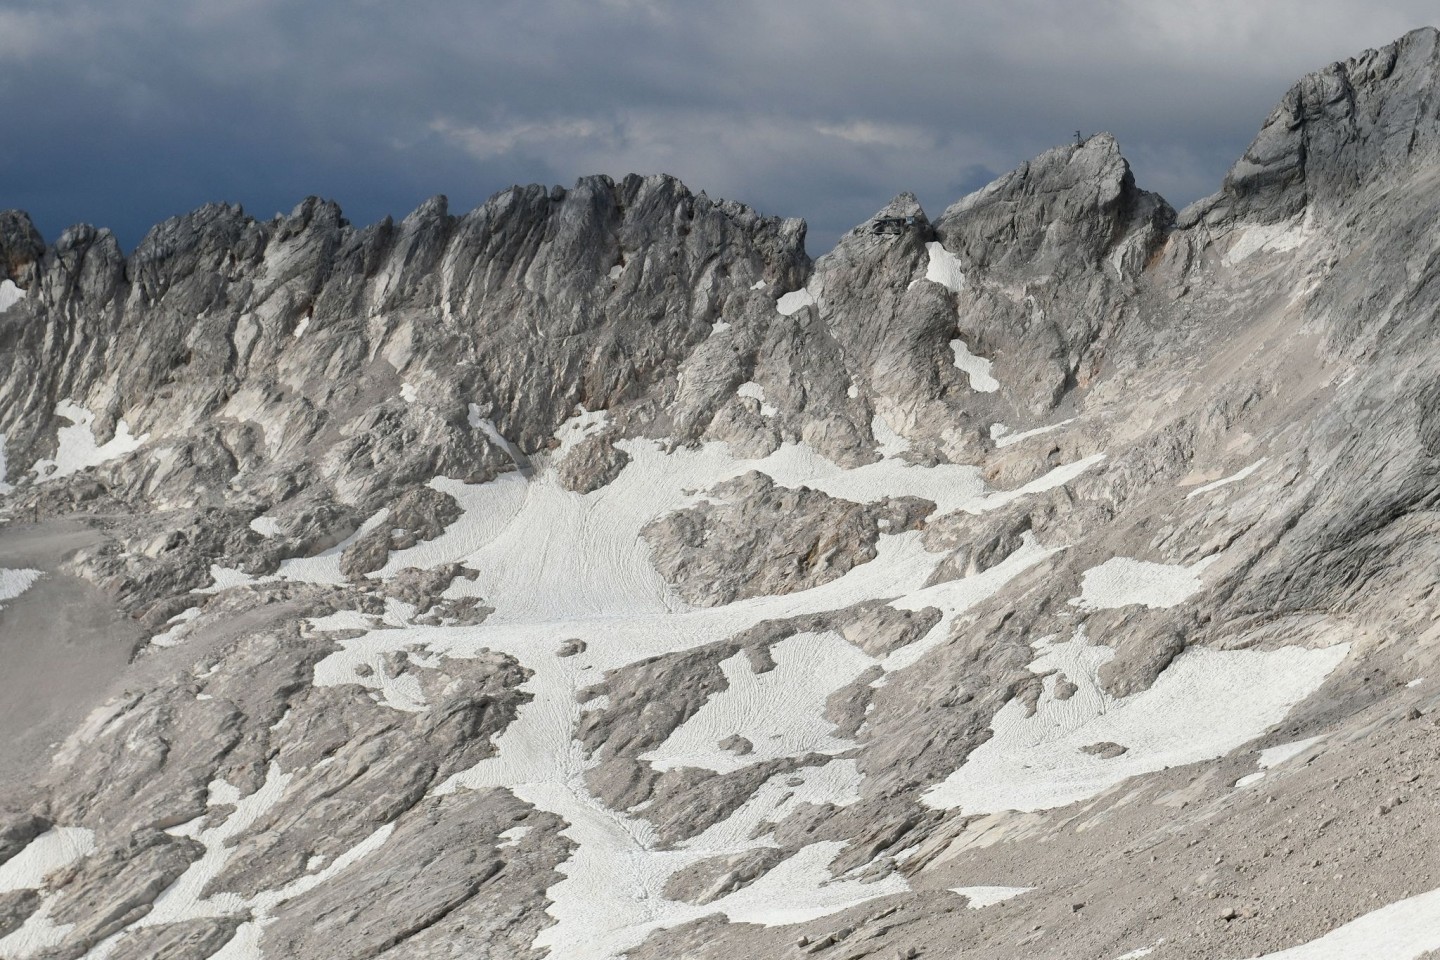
x=1205 y=704
x=15 y=582
x=1226 y=481
x=77 y=449
x=1123 y=582
x=10 y=295
x=943 y=268
x=981 y=897
x=793 y=302
x=976 y=368
x=1405 y=930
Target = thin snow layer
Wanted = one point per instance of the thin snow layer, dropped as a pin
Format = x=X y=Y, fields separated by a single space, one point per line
x=10 y=295
x=266 y=526
x=555 y=563
x=976 y=368
x=77 y=447
x=1003 y=437
x=1123 y=582
x=793 y=302
x=1274 y=756
x=15 y=582
x=1226 y=481
x=943 y=267
x=1405 y=930
x=55 y=848
x=1205 y=704
x=781 y=712
x=981 y=897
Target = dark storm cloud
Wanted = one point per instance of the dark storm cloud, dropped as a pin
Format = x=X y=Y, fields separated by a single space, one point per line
x=123 y=114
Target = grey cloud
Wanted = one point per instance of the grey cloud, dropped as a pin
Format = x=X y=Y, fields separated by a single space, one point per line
x=122 y=114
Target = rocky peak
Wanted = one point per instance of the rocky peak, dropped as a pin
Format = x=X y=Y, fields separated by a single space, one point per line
x=1355 y=124
x=1061 y=212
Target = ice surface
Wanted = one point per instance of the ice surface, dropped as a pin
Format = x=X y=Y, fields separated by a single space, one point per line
x=1205 y=704
x=77 y=447
x=976 y=368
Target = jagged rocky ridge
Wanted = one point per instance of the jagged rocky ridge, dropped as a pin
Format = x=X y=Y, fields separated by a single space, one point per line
x=595 y=574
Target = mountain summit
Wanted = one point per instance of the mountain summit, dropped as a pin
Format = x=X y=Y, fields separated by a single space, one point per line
x=593 y=575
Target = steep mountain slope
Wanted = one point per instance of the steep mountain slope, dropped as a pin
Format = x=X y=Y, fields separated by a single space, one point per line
x=594 y=575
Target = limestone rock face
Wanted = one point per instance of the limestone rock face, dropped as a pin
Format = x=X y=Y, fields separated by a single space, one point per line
x=593 y=575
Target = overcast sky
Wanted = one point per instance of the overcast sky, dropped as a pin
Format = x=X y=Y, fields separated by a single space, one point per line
x=124 y=112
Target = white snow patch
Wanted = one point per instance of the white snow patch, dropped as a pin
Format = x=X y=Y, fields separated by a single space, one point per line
x=324 y=567
x=1415 y=683
x=944 y=268
x=1249 y=778
x=1226 y=481
x=1122 y=582
x=758 y=285
x=976 y=368
x=226 y=577
x=719 y=326
x=793 y=302
x=55 y=848
x=981 y=897
x=1139 y=952
x=1405 y=930
x=300 y=328
x=15 y=582
x=781 y=712
x=178 y=628
x=615 y=271
x=407 y=393
x=266 y=526
x=853 y=392
x=1205 y=704
x=77 y=447
x=10 y=294
x=511 y=837
x=754 y=391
